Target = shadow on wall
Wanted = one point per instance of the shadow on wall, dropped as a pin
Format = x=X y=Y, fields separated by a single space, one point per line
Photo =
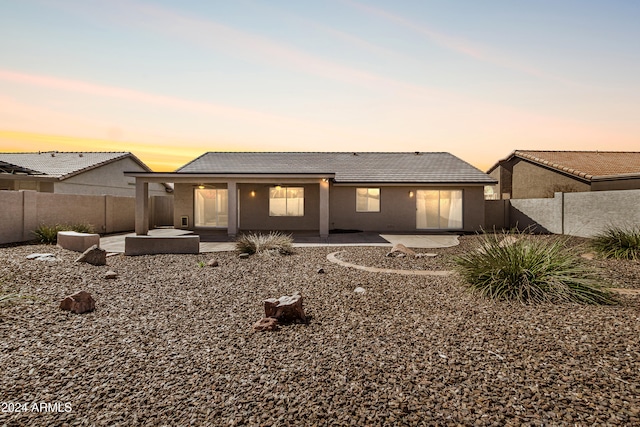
x=522 y=222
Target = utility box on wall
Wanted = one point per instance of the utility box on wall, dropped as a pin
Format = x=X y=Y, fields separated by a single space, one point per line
x=184 y=222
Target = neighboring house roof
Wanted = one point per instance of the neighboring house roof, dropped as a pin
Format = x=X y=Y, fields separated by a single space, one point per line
x=347 y=167
x=587 y=165
x=61 y=165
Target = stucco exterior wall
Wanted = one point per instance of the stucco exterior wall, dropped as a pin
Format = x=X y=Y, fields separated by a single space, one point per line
x=107 y=179
x=183 y=204
x=397 y=208
x=254 y=210
x=532 y=181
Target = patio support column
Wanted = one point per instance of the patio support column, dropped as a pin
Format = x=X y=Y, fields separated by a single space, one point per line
x=232 y=219
x=324 y=209
x=142 y=207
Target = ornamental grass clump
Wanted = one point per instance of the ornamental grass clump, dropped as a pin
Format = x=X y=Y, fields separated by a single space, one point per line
x=530 y=269
x=618 y=243
x=48 y=234
x=272 y=243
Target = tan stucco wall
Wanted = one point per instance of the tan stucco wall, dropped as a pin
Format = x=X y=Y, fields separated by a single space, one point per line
x=23 y=211
x=254 y=211
x=397 y=209
x=183 y=204
x=107 y=179
x=532 y=181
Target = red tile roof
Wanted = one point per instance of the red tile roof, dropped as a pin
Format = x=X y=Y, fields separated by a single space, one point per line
x=585 y=164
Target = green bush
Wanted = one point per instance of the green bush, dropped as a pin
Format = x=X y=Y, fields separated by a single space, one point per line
x=528 y=269
x=48 y=234
x=618 y=243
x=274 y=242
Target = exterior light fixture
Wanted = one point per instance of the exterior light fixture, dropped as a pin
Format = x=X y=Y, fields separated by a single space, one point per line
x=201 y=187
x=278 y=187
x=411 y=194
x=253 y=194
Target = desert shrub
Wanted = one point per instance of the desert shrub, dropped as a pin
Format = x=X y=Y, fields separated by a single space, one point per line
x=530 y=269
x=618 y=242
x=274 y=242
x=48 y=234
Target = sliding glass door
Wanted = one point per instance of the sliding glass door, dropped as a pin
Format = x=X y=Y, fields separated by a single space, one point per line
x=211 y=207
x=438 y=209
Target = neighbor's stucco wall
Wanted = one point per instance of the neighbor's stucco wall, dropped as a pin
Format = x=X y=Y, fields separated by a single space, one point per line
x=530 y=181
x=108 y=179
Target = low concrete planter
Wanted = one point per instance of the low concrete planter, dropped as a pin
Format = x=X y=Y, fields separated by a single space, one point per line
x=78 y=242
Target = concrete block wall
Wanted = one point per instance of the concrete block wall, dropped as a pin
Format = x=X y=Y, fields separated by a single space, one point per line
x=577 y=214
x=23 y=211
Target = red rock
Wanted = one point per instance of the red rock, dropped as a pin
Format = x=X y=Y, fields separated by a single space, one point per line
x=286 y=309
x=79 y=303
x=266 y=324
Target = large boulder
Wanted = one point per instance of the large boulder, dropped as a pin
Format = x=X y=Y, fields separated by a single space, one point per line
x=94 y=255
x=286 y=309
x=79 y=303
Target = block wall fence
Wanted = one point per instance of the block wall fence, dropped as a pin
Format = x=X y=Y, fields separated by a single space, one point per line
x=21 y=212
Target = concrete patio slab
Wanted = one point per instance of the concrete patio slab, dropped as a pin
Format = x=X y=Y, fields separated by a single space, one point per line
x=115 y=243
x=423 y=241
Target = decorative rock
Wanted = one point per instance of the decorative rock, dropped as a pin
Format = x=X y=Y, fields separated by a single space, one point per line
x=43 y=257
x=589 y=255
x=79 y=303
x=266 y=324
x=359 y=290
x=110 y=275
x=285 y=309
x=400 y=250
x=321 y=271
x=212 y=263
x=94 y=255
x=243 y=255
x=427 y=255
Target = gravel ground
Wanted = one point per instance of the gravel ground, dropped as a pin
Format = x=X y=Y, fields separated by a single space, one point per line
x=170 y=343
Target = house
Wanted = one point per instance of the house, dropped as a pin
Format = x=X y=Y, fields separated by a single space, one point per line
x=527 y=174
x=303 y=191
x=89 y=173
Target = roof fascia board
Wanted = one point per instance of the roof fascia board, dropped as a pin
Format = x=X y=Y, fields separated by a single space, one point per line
x=20 y=177
x=409 y=184
x=619 y=177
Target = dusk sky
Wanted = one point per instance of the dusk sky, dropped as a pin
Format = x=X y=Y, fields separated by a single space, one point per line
x=170 y=80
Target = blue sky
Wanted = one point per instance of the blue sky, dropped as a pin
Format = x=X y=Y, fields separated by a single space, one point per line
x=170 y=80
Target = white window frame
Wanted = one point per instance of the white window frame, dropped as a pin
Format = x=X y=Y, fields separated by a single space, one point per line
x=368 y=198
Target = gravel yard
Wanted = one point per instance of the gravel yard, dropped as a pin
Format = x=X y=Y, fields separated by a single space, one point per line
x=171 y=343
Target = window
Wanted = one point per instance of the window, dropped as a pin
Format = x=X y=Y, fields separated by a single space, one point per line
x=367 y=200
x=211 y=207
x=286 y=201
x=440 y=209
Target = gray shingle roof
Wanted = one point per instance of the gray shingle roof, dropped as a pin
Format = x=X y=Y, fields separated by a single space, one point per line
x=347 y=167
x=60 y=164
